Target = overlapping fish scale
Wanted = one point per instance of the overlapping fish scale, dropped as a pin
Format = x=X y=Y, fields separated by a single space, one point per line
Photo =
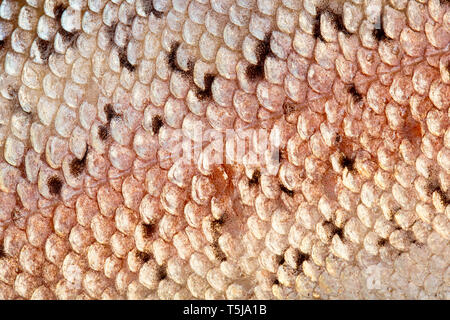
x=95 y=233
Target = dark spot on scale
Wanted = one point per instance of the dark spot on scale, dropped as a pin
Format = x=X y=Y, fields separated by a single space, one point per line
x=288 y=108
x=2 y=252
x=157 y=123
x=110 y=32
x=103 y=132
x=381 y=242
x=347 y=162
x=124 y=63
x=255 y=178
x=281 y=260
x=110 y=112
x=338 y=138
x=218 y=253
x=173 y=64
x=149 y=229
x=149 y=8
x=357 y=97
x=254 y=71
x=443 y=196
x=316 y=27
x=339 y=23
x=301 y=257
x=162 y=273
x=378 y=31
x=45 y=48
x=69 y=38
x=54 y=184
x=2 y=44
x=143 y=256
x=335 y=230
x=290 y=193
x=58 y=11
x=276 y=282
x=77 y=165
x=207 y=92
x=262 y=51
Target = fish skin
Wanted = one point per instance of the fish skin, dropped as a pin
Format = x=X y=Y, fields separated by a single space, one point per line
x=91 y=207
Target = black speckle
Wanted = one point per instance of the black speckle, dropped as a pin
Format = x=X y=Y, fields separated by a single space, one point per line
x=149 y=229
x=290 y=193
x=276 y=282
x=143 y=256
x=54 y=184
x=348 y=163
x=281 y=260
x=157 y=123
x=103 y=132
x=206 y=93
x=381 y=242
x=338 y=138
x=2 y=44
x=77 y=165
x=255 y=178
x=45 y=48
x=124 y=61
x=357 y=97
x=110 y=112
x=262 y=51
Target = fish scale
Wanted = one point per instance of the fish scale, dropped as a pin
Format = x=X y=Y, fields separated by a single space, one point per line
x=96 y=96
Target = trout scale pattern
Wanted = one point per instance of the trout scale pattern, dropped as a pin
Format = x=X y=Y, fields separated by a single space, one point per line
x=93 y=207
